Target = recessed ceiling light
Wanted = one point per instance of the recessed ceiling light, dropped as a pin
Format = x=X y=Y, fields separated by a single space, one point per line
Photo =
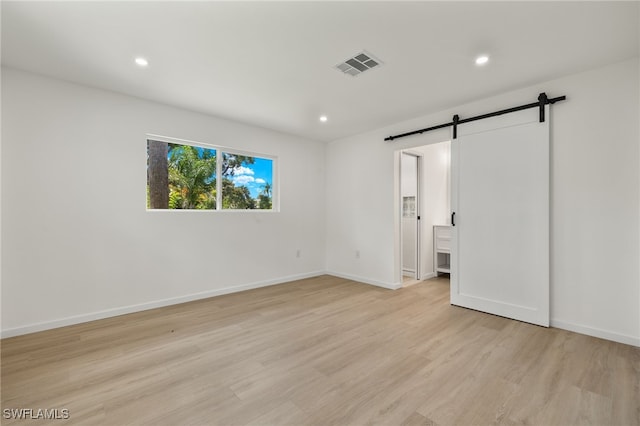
x=141 y=62
x=481 y=60
x=323 y=118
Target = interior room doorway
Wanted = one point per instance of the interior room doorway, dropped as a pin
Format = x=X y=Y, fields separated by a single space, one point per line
x=423 y=202
x=410 y=172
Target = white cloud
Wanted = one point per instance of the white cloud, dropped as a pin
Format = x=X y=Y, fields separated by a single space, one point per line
x=260 y=181
x=241 y=170
x=243 y=180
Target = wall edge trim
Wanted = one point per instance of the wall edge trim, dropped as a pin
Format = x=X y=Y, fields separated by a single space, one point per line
x=428 y=276
x=596 y=332
x=114 y=312
x=390 y=286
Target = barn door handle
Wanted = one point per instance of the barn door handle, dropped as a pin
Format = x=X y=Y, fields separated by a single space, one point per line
x=453 y=219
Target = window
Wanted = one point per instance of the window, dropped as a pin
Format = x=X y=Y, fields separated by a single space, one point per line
x=185 y=177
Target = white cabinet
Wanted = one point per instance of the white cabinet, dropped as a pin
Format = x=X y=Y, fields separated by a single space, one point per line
x=442 y=248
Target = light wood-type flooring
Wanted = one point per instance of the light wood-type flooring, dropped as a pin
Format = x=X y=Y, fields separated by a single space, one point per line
x=322 y=351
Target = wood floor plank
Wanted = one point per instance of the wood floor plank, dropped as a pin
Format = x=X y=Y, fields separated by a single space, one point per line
x=321 y=351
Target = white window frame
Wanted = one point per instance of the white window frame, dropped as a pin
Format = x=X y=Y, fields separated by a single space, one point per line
x=220 y=149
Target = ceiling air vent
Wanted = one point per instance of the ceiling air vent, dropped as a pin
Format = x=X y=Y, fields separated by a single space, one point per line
x=358 y=64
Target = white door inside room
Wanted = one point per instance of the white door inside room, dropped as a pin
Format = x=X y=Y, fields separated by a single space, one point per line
x=409 y=168
x=500 y=196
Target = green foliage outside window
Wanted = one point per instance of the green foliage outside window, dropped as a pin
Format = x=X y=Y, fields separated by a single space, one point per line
x=184 y=177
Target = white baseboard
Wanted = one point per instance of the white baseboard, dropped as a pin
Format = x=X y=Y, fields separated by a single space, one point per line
x=596 y=332
x=428 y=275
x=411 y=274
x=389 y=286
x=77 y=319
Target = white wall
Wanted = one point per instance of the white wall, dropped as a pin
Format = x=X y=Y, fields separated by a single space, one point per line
x=638 y=90
x=77 y=241
x=1 y=195
x=595 y=209
x=78 y=249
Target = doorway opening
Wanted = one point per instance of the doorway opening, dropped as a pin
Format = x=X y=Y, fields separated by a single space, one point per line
x=423 y=203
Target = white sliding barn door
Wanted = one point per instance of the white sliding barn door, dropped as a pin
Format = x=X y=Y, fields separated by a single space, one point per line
x=500 y=196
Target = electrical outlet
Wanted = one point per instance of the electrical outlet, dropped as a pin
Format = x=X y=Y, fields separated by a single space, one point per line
x=298 y=253
x=357 y=254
